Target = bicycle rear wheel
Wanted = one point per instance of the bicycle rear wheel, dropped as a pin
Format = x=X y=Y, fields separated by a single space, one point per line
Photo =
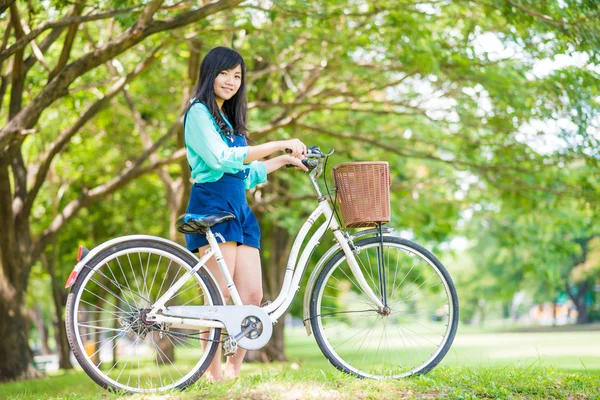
x=410 y=337
x=106 y=328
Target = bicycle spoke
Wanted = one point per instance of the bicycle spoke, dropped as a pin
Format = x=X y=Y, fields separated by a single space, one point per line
x=121 y=287
x=370 y=272
x=111 y=292
x=116 y=283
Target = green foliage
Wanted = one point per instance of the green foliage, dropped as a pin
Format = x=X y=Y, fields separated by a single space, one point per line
x=407 y=82
x=539 y=252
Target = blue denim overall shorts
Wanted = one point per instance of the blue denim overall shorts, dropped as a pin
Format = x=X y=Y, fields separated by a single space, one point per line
x=226 y=194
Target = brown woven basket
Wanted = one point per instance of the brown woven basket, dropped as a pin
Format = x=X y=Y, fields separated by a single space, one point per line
x=363 y=190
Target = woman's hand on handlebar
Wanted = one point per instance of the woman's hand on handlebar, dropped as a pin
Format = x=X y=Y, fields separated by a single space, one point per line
x=291 y=161
x=294 y=147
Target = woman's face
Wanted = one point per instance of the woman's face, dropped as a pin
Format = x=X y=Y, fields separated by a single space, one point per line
x=228 y=82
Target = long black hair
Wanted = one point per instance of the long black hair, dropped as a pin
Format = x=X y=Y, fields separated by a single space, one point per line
x=236 y=108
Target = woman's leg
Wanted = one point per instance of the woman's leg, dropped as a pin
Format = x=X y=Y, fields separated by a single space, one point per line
x=229 y=250
x=248 y=280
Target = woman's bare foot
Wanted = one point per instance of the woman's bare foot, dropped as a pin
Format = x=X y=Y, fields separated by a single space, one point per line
x=212 y=378
x=230 y=372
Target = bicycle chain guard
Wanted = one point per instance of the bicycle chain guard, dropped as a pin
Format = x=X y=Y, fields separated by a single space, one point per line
x=249 y=326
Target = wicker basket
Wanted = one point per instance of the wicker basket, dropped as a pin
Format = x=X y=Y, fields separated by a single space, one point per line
x=363 y=190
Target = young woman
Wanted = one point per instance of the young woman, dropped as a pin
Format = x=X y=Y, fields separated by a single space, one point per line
x=223 y=166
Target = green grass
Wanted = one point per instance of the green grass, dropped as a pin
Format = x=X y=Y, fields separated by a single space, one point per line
x=540 y=365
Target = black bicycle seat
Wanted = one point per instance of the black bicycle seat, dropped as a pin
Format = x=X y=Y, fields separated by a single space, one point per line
x=199 y=223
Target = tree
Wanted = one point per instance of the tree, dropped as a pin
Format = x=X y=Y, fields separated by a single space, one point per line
x=544 y=251
x=21 y=181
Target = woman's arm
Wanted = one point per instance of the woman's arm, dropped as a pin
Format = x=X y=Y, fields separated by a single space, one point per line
x=260 y=151
x=296 y=147
x=259 y=169
x=275 y=163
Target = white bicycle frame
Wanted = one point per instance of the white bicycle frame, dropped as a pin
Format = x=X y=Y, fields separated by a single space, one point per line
x=293 y=273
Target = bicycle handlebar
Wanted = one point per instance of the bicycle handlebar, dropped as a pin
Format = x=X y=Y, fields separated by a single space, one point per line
x=311 y=161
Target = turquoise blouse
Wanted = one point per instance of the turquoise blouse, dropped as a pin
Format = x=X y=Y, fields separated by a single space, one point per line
x=208 y=153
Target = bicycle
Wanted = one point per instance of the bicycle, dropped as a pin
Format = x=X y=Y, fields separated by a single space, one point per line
x=388 y=315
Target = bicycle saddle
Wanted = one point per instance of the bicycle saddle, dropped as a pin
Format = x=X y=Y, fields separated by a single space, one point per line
x=198 y=223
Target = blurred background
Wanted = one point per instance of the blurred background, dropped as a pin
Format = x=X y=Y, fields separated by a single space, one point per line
x=486 y=111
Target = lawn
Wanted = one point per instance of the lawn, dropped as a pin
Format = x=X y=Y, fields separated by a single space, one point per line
x=538 y=365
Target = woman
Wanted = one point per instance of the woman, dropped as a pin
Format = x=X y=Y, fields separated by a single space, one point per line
x=223 y=166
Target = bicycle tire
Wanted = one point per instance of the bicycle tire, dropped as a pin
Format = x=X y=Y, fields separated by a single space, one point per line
x=317 y=297
x=102 y=259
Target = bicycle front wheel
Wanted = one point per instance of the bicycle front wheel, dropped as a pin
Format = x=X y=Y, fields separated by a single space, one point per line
x=106 y=326
x=410 y=336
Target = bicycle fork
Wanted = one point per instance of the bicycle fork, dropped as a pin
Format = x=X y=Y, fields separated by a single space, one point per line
x=360 y=278
x=381 y=269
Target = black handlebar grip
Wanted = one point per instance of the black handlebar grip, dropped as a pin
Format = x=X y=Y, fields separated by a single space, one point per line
x=306 y=162
x=288 y=151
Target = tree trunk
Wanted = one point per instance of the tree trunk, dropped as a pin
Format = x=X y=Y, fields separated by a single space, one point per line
x=481 y=308
x=37 y=318
x=62 y=343
x=582 y=314
x=115 y=350
x=554 y=310
x=59 y=298
x=15 y=359
x=579 y=301
x=582 y=311
x=93 y=335
x=166 y=355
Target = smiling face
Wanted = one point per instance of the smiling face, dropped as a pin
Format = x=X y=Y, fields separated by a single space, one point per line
x=227 y=83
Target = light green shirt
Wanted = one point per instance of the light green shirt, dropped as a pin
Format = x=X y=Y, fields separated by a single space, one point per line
x=208 y=153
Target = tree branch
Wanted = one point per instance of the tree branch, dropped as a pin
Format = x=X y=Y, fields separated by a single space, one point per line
x=19 y=170
x=68 y=44
x=395 y=150
x=535 y=14
x=274 y=67
x=284 y=118
x=5 y=5
x=93 y=85
x=65 y=136
x=330 y=106
x=62 y=23
x=146 y=140
x=37 y=52
x=190 y=16
x=147 y=14
x=4 y=79
x=58 y=87
x=18 y=76
x=99 y=192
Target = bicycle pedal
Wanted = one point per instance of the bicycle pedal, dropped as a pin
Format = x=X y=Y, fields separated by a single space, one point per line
x=230 y=347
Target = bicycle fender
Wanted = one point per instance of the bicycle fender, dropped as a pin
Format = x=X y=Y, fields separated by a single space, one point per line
x=320 y=264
